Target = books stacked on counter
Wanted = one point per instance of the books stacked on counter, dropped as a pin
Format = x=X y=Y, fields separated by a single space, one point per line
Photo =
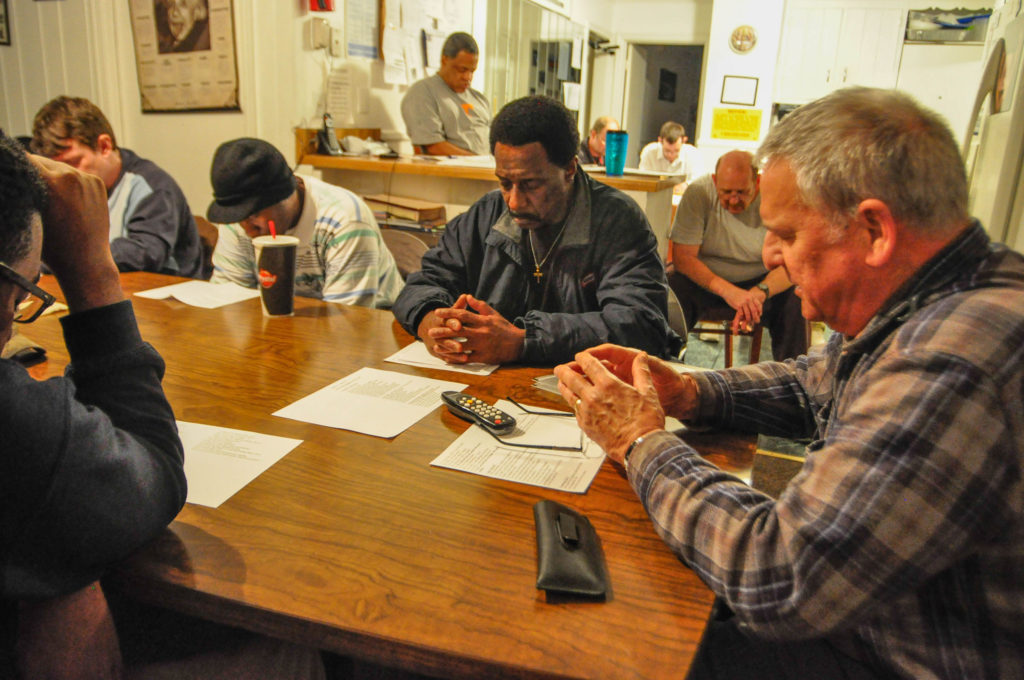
x=402 y=212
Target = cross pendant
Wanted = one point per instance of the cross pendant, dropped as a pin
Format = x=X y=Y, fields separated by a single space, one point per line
x=538 y=274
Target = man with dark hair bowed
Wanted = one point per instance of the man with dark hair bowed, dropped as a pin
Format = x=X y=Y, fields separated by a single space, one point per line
x=549 y=264
x=897 y=550
x=79 y=450
x=443 y=115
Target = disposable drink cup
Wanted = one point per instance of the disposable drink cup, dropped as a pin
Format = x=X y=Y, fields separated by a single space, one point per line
x=615 y=144
x=275 y=267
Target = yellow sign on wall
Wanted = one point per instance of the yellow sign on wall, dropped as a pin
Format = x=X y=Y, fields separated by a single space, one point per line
x=742 y=125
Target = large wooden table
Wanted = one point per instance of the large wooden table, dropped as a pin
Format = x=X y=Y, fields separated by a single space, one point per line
x=355 y=544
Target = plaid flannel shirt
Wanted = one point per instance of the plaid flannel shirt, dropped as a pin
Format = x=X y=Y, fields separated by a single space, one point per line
x=901 y=539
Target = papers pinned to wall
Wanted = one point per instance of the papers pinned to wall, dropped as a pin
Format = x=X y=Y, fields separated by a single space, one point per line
x=339 y=96
x=393 y=45
x=361 y=21
x=571 y=95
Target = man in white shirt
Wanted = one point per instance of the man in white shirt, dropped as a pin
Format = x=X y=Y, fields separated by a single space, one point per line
x=671 y=154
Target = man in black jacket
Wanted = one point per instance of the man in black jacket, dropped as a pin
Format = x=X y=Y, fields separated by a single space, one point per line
x=546 y=266
x=91 y=466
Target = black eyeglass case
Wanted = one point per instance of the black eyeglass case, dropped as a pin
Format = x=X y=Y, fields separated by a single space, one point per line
x=570 y=561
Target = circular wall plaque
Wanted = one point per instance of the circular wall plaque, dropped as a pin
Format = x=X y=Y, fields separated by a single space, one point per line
x=743 y=39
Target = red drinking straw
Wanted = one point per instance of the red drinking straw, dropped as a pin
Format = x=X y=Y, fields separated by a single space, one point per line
x=273 y=231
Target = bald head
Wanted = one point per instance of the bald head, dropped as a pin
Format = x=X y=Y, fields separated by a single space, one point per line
x=736 y=180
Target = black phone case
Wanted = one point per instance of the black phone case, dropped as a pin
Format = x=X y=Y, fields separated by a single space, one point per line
x=570 y=560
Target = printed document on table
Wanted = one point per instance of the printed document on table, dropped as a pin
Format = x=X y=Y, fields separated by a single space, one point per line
x=416 y=354
x=220 y=461
x=202 y=293
x=371 y=401
x=479 y=453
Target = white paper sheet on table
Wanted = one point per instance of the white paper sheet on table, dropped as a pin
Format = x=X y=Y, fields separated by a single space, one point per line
x=371 y=401
x=201 y=293
x=416 y=354
x=220 y=461
x=477 y=452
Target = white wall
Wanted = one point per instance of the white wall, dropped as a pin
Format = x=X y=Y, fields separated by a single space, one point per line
x=89 y=52
x=672 y=22
x=766 y=18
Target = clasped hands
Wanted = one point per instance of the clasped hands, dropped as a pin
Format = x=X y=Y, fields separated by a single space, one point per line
x=471 y=330
x=749 y=305
x=620 y=394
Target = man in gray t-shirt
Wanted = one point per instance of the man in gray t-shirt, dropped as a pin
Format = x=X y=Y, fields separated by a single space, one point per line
x=716 y=254
x=443 y=115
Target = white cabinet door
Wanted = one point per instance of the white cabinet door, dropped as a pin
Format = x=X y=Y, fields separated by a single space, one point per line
x=808 y=52
x=869 y=48
x=826 y=46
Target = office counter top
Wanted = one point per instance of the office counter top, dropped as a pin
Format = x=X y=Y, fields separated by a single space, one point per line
x=305 y=144
x=425 y=167
x=459 y=186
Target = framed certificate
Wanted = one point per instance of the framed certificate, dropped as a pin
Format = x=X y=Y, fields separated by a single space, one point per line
x=741 y=90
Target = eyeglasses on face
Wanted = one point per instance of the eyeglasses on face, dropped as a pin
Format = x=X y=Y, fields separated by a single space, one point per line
x=32 y=302
x=740 y=193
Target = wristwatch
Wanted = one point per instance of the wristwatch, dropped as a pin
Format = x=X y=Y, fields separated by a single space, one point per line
x=625 y=459
x=763 y=287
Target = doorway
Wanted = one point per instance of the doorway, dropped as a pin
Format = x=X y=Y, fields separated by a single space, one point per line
x=663 y=84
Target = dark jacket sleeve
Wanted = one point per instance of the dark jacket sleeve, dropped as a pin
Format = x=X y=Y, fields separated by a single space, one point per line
x=92 y=466
x=152 y=231
x=160 y=225
x=450 y=268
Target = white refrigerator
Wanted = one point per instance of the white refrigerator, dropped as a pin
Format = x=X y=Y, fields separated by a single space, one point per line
x=994 y=145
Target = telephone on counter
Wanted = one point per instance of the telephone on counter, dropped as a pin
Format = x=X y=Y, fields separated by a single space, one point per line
x=327 y=139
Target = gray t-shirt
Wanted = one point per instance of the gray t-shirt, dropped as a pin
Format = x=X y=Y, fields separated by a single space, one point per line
x=730 y=245
x=434 y=112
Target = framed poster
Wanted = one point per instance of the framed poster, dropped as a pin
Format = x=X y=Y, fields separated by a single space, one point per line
x=5 y=24
x=185 y=55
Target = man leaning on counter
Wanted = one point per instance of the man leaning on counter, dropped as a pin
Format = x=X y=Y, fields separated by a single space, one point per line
x=443 y=115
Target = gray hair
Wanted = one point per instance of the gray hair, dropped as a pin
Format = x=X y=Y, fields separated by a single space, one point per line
x=859 y=143
x=602 y=123
x=459 y=42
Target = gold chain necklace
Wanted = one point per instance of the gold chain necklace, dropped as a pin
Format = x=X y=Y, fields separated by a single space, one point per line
x=537 y=273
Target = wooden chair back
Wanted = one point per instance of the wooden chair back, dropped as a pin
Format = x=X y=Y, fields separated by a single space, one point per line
x=407 y=249
x=208 y=235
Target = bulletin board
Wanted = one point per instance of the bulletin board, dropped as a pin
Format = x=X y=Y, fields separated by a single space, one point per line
x=412 y=33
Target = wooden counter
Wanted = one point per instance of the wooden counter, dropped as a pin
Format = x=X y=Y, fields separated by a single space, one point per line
x=459 y=186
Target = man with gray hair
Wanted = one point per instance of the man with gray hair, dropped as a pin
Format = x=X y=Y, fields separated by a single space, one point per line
x=897 y=549
x=443 y=115
x=591 y=149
